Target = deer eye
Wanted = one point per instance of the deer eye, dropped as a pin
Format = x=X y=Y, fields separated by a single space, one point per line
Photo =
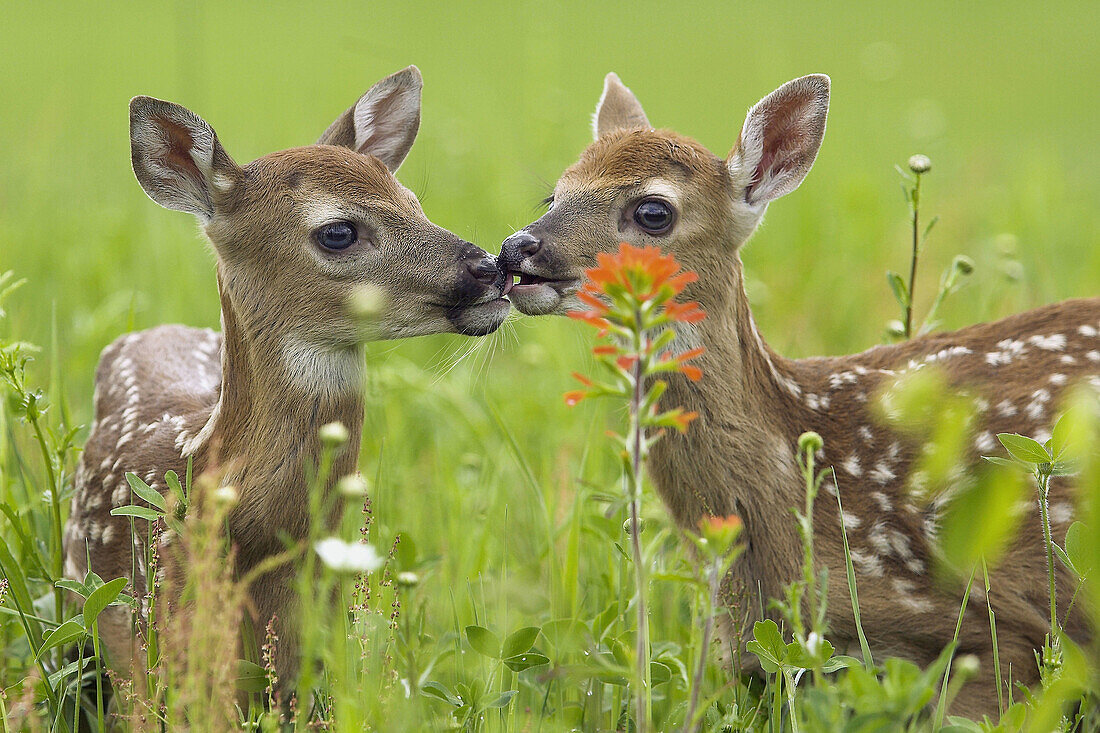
x=654 y=216
x=336 y=236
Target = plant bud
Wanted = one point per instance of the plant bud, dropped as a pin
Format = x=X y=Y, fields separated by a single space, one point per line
x=920 y=164
x=963 y=264
x=352 y=487
x=966 y=666
x=720 y=533
x=1013 y=270
x=407 y=579
x=226 y=495
x=334 y=434
x=810 y=442
x=368 y=302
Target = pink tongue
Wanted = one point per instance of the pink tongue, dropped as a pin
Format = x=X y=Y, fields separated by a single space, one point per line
x=510 y=280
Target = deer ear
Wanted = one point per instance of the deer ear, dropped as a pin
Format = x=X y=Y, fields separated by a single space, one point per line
x=618 y=109
x=384 y=121
x=177 y=157
x=780 y=139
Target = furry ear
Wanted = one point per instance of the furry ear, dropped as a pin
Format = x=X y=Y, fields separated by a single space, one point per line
x=618 y=109
x=384 y=121
x=780 y=139
x=177 y=157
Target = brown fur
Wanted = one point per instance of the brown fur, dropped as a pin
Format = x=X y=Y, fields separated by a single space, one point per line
x=739 y=456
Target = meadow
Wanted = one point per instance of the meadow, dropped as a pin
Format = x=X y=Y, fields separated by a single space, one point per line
x=503 y=495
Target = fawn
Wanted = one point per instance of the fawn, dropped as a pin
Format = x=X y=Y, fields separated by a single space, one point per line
x=655 y=187
x=296 y=234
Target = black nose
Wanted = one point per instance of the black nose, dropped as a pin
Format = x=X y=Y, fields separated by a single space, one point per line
x=484 y=269
x=519 y=247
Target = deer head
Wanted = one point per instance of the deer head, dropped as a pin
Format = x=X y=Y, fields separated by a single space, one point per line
x=298 y=232
x=655 y=187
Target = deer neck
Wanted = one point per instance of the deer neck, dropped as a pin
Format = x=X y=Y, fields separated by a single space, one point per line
x=738 y=456
x=262 y=436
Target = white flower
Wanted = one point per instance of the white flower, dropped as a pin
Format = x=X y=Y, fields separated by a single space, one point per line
x=352 y=487
x=226 y=495
x=334 y=434
x=347 y=557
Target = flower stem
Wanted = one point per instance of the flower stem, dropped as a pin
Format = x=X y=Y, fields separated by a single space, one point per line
x=690 y=724
x=1044 y=491
x=637 y=447
x=913 y=261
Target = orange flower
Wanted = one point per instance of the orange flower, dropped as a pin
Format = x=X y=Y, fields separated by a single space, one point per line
x=720 y=532
x=693 y=373
x=641 y=272
x=592 y=318
x=685 y=312
x=684 y=419
x=731 y=521
x=604 y=350
x=586 y=296
x=627 y=361
x=582 y=379
x=572 y=398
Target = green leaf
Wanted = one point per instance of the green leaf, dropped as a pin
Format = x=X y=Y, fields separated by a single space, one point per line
x=1065 y=560
x=928 y=229
x=901 y=291
x=659 y=673
x=526 y=660
x=995 y=497
x=564 y=633
x=251 y=677
x=17 y=584
x=768 y=645
x=146 y=492
x=63 y=634
x=100 y=598
x=132 y=510
x=69 y=669
x=1077 y=548
x=499 y=701
x=1005 y=462
x=74 y=586
x=483 y=641
x=519 y=641
x=173 y=481
x=607 y=617
x=1023 y=448
x=842 y=661
x=439 y=692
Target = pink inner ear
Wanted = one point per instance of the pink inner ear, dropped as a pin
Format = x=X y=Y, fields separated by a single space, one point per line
x=179 y=143
x=786 y=133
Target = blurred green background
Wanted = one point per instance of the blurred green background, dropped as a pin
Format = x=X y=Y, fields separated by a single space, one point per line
x=1001 y=95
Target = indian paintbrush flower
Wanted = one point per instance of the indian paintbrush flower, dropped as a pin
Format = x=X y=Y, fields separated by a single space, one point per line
x=631 y=297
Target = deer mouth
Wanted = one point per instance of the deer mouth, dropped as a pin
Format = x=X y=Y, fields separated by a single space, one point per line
x=537 y=295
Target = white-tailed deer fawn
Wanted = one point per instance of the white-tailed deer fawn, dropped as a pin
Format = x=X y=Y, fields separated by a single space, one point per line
x=654 y=187
x=296 y=234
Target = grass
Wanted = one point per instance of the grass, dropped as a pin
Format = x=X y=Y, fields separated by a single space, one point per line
x=506 y=497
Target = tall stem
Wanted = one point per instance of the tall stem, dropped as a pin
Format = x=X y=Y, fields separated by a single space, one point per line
x=1044 y=489
x=56 y=543
x=637 y=447
x=690 y=724
x=913 y=261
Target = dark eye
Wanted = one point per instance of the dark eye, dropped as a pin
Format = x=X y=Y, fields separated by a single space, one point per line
x=337 y=236
x=654 y=215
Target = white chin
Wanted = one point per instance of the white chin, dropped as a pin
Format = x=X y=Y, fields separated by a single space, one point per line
x=480 y=320
x=538 y=299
